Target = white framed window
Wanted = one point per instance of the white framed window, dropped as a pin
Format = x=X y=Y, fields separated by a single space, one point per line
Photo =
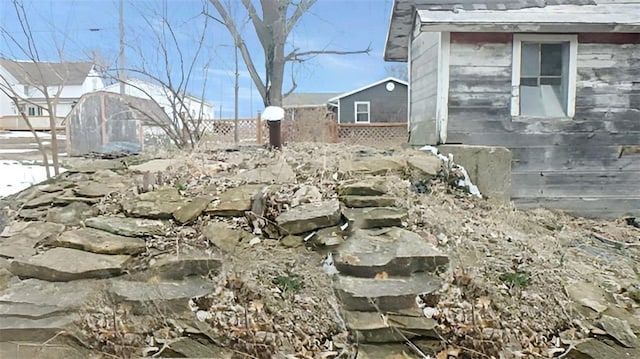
x=362 y=111
x=544 y=75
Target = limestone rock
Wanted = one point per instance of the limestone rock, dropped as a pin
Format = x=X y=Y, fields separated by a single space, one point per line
x=148 y=298
x=14 y=328
x=426 y=166
x=306 y=194
x=369 y=327
x=190 y=348
x=19 y=349
x=392 y=294
x=223 y=237
x=190 y=211
x=159 y=165
x=5 y=277
x=129 y=227
x=595 y=349
x=92 y=166
x=372 y=186
x=235 y=201
x=368 y=201
x=65 y=264
x=309 y=217
x=72 y=214
x=620 y=330
x=177 y=267
x=275 y=173
x=292 y=241
x=372 y=165
x=92 y=189
x=397 y=351
x=97 y=241
x=25 y=236
x=396 y=251
x=382 y=217
x=159 y=204
x=43 y=199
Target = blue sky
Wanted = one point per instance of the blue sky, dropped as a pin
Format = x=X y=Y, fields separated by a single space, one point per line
x=330 y=24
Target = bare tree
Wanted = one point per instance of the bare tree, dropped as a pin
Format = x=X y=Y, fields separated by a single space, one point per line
x=168 y=81
x=273 y=28
x=399 y=71
x=40 y=78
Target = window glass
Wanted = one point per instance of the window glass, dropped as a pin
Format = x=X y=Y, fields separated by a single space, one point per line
x=530 y=60
x=550 y=59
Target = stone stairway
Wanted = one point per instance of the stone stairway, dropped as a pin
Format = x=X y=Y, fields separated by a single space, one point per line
x=382 y=269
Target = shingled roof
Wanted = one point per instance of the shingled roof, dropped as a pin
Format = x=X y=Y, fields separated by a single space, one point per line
x=47 y=73
x=506 y=16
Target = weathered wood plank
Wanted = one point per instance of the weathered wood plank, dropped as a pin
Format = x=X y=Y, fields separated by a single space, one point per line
x=488 y=99
x=573 y=183
x=551 y=139
x=480 y=55
x=565 y=158
x=467 y=121
x=480 y=85
x=603 y=207
x=463 y=72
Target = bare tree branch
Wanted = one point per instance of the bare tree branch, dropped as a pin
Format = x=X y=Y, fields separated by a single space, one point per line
x=300 y=10
x=296 y=56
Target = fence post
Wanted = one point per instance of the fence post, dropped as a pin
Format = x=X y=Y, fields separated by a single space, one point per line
x=259 y=129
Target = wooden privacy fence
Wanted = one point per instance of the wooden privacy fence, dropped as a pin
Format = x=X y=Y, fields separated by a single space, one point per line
x=255 y=131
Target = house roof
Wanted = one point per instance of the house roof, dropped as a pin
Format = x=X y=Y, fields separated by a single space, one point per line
x=507 y=16
x=308 y=99
x=367 y=87
x=47 y=73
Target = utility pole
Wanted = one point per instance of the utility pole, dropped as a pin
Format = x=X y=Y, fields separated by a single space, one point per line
x=121 y=71
x=236 y=140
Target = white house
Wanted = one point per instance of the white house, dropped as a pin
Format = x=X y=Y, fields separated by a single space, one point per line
x=26 y=81
x=197 y=108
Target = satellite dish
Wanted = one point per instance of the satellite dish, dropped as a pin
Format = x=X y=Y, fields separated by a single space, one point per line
x=273 y=113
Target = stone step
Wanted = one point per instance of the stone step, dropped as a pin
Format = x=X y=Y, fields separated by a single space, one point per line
x=373 y=186
x=397 y=351
x=388 y=295
x=130 y=227
x=66 y=264
x=376 y=217
x=370 y=327
x=395 y=251
x=368 y=201
x=101 y=242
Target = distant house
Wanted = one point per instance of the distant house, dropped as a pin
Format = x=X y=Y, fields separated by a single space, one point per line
x=308 y=105
x=384 y=101
x=555 y=81
x=196 y=107
x=28 y=79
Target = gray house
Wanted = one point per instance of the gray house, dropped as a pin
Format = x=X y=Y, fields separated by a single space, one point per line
x=381 y=102
x=556 y=81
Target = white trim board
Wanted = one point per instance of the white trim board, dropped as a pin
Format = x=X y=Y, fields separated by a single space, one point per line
x=572 y=75
x=442 y=104
x=355 y=111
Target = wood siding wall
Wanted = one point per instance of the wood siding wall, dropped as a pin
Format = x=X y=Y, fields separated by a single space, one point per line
x=384 y=106
x=424 y=84
x=557 y=163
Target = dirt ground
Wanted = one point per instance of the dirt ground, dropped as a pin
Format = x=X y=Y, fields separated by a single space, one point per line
x=508 y=292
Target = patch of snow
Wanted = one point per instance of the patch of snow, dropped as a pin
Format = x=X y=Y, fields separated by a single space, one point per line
x=28 y=134
x=16 y=150
x=17 y=176
x=328 y=266
x=466 y=182
x=435 y=152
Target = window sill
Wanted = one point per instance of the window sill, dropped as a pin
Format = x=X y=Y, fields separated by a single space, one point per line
x=540 y=118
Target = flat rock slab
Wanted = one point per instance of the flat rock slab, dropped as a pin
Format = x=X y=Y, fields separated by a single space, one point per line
x=235 y=201
x=220 y=235
x=159 y=204
x=177 y=267
x=277 y=173
x=97 y=241
x=425 y=165
x=35 y=330
x=310 y=216
x=396 y=351
x=92 y=166
x=72 y=214
x=36 y=350
x=160 y=165
x=92 y=189
x=190 y=211
x=620 y=330
x=392 y=294
x=128 y=227
x=396 y=251
x=40 y=293
x=43 y=199
x=373 y=186
x=66 y=264
x=25 y=236
x=368 y=201
x=369 y=327
x=376 y=217
x=148 y=298
x=372 y=165
x=595 y=349
x=190 y=348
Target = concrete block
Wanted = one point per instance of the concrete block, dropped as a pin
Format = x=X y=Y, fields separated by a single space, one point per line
x=489 y=167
